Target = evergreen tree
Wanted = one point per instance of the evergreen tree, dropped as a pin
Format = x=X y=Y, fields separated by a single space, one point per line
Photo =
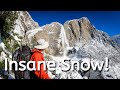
x=7 y=21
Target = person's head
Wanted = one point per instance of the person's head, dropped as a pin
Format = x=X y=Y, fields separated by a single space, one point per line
x=41 y=45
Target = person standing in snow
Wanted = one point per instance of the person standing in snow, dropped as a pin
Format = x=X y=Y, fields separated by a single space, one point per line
x=38 y=56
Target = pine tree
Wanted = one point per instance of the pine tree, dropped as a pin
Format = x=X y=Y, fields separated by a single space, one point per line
x=7 y=21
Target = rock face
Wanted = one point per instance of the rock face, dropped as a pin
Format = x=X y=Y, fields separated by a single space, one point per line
x=116 y=38
x=24 y=23
x=71 y=33
x=78 y=29
x=81 y=30
x=92 y=42
x=60 y=36
x=54 y=33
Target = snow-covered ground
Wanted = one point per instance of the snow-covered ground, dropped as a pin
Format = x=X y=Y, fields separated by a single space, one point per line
x=18 y=28
x=2 y=45
x=1 y=78
x=60 y=74
x=11 y=76
x=2 y=54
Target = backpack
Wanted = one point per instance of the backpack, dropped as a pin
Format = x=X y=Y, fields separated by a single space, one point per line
x=22 y=54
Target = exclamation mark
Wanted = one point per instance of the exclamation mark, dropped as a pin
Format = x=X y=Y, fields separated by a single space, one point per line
x=106 y=64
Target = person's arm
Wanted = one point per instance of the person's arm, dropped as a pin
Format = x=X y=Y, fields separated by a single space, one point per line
x=44 y=74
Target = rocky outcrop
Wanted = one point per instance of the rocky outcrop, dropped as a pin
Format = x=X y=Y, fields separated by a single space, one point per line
x=70 y=34
x=59 y=36
x=24 y=23
x=116 y=38
x=78 y=30
x=82 y=31
x=54 y=33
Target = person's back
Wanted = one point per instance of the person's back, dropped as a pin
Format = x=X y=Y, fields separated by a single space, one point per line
x=38 y=56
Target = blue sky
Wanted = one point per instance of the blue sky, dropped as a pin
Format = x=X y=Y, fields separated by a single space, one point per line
x=107 y=21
